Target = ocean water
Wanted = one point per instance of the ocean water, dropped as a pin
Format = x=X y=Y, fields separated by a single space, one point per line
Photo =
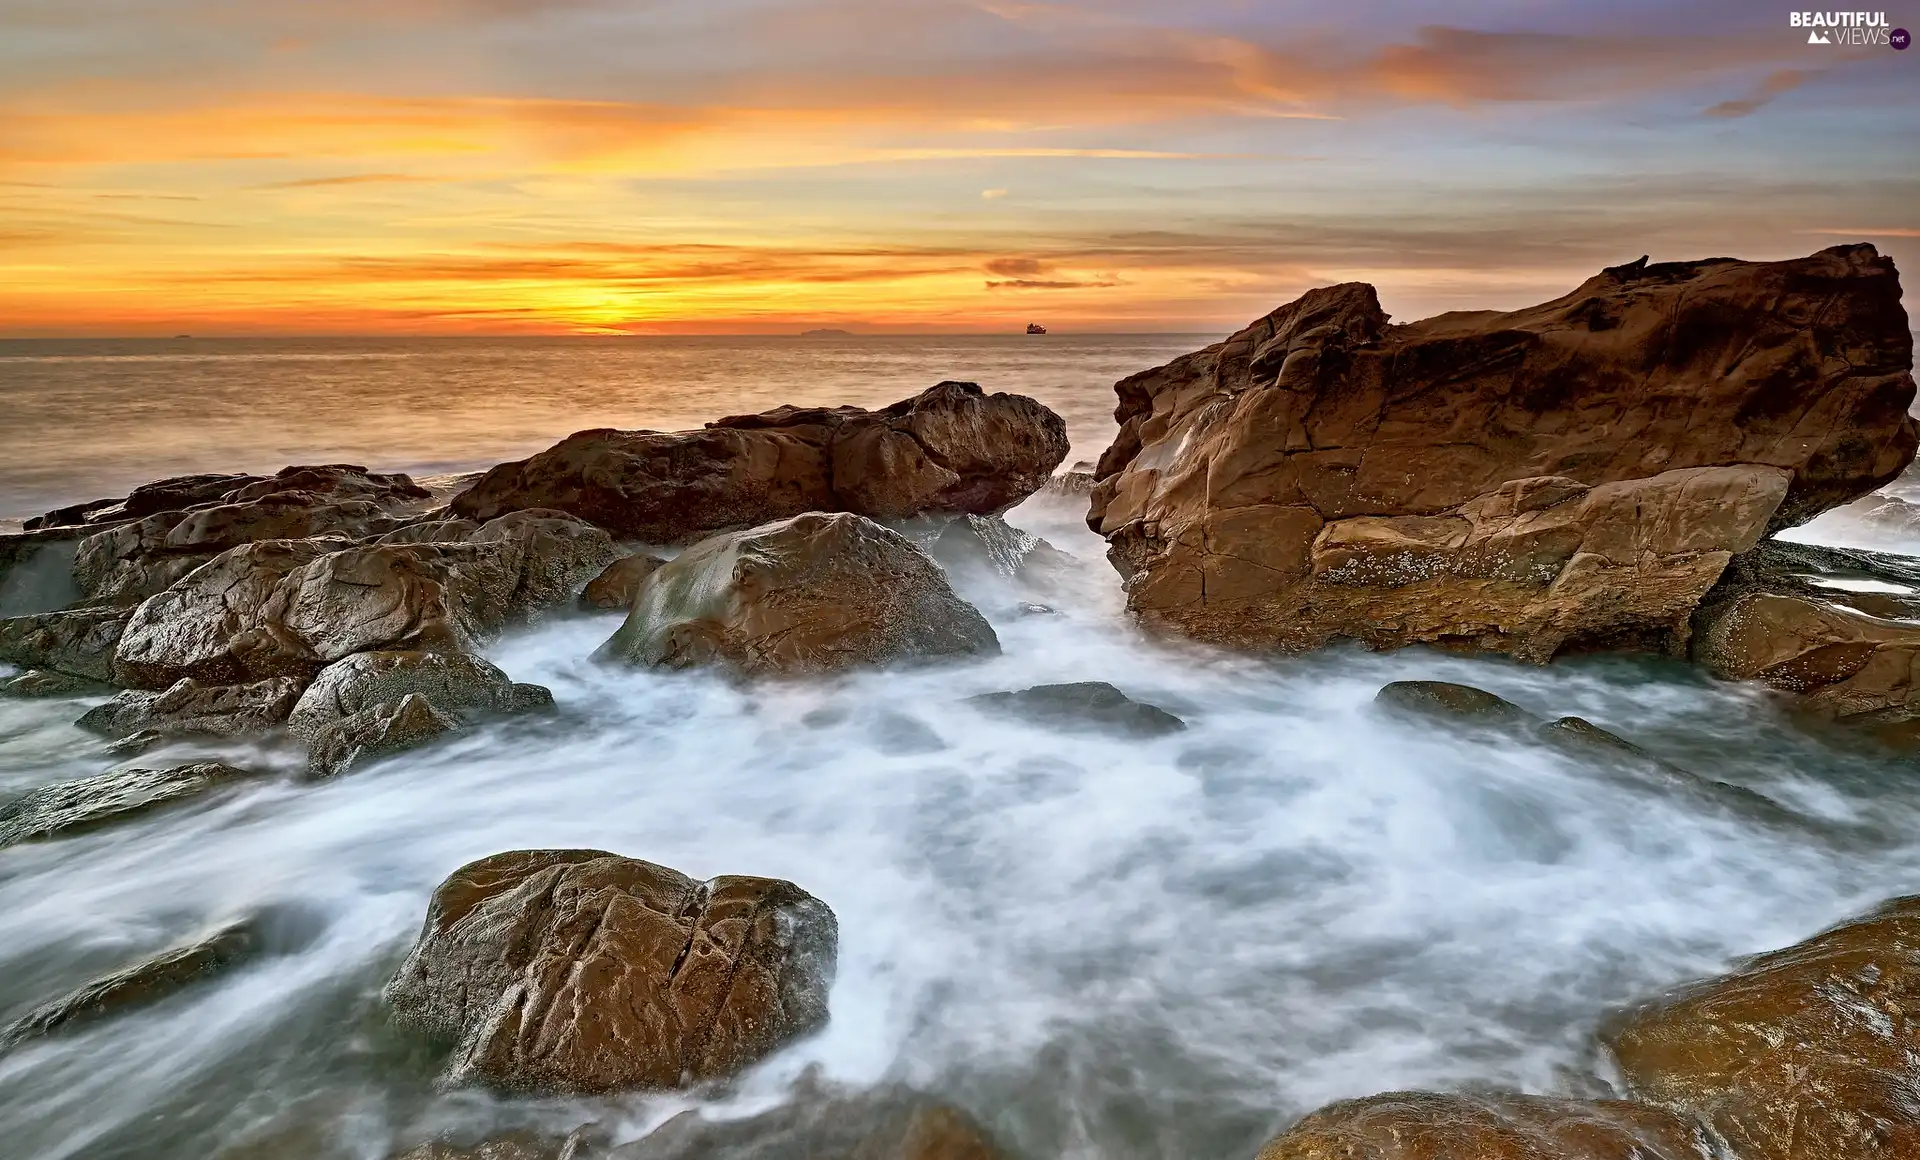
x=1105 y=949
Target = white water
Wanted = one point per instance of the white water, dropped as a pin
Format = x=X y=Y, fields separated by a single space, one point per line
x=1103 y=948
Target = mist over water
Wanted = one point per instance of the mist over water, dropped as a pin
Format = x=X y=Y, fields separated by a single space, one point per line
x=1100 y=946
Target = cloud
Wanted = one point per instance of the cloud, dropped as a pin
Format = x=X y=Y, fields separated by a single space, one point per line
x=1016 y=267
x=1776 y=83
x=992 y=194
x=1890 y=232
x=346 y=179
x=1039 y=284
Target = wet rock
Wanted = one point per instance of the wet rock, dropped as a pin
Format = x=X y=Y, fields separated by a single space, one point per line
x=1802 y=1054
x=177 y=493
x=551 y=555
x=973 y=547
x=36 y=571
x=1083 y=705
x=72 y=807
x=36 y=683
x=951 y=448
x=890 y=1124
x=581 y=971
x=431 y=532
x=1446 y=701
x=516 y=1146
x=460 y=686
x=1528 y=482
x=79 y=642
x=620 y=583
x=338 y=481
x=188 y=707
x=1075 y=483
x=1433 y=1126
x=340 y=746
x=815 y=593
x=147 y=982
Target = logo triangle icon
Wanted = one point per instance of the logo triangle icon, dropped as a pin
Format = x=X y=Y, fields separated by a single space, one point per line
x=1817 y=37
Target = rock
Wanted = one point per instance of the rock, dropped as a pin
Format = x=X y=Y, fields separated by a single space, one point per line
x=36 y=571
x=972 y=547
x=1433 y=1126
x=815 y=593
x=188 y=707
x=620 y=583
x=340 y=481
x=1573 y=475
x=1075 y=484
x=72 y=807
x=1803 y=1054
x=431 y=532
x=1445 y=701
x=952 y=448
x=579 y=971
x=516 y=1146
x=343 y=745
x=166 y=495
x=79 y=642
x=1085 y=705
x=890 y=1124
x=458 y=685
x=291 y=607
x=137 y=986
x=35 y=683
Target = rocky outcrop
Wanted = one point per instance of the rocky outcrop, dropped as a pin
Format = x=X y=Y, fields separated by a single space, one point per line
x=36 y=571
x=815 y=593
x=1094 y=705
x=139 y=985
x=888 y=1124
x=174 y=494
x=458 y=685
x=1433 y=1126
x=620 y=583
x=581 y=971
x=1803 y=1054
x=291 y=607
x=79 y=642
x=952 y=448
x=189 y=708
x=76 y=806
x=341 y=745
x=517 y=1146
x=36 y=683
x=1568 y=476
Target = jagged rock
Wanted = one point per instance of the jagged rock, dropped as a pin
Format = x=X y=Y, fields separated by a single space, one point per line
x=76 y=806
x=1572 y=475
x=581 y=971
x=889 y=1124
x=136 y=986
x=1084 y=705
x=1446 y=701
x=79 y=642
x=188 y=707
x=1803 y=1054
x=343 y=745
x=340 y=481
x=36 y=683
x=291 y=607
x=814 y=593
x=971 y=547
x=1434 y=1126
x=166 y=495
x=620 y=583
x=951 y=448
x=458 y=685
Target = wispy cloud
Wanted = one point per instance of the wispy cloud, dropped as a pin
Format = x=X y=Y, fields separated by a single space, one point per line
x=347 y=179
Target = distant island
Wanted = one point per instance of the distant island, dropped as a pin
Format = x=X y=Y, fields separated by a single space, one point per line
x=826 y=333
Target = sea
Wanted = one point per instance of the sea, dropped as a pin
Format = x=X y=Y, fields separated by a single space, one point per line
x=1101 y=948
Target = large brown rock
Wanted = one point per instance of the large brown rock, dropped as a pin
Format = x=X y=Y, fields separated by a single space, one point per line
x=1571 y=475
x=582 y=971
x=952 y=448
x=814 y=593
x=1432 y=1126
x=290 y=607
x=1809 y=1053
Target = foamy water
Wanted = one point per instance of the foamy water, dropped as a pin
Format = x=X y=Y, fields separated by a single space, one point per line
x=1102 y=947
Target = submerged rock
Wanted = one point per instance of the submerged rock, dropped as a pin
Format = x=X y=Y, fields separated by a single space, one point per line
x=620 y=583
x=134 y=987
x=36 y=683
x=188 y=707
x=815 y=593
x=343 y=744
x=580 y=971
x=79 y=642
x=457 y=685
x=1433 y=1126
x=71 y=807
x=1446 y=701
x=889 y=1124
x=1568 y=476
x=1083 y=704
x=952 y=448
x=1803 y=1054
x=517 y=1146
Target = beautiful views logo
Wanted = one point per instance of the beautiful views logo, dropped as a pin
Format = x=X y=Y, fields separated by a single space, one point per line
x=1849 y=28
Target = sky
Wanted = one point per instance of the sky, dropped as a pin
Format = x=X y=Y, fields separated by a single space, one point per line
x=747 y=166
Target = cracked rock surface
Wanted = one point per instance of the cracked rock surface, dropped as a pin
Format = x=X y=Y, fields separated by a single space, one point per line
x=580 y=971
x=1433 y=1126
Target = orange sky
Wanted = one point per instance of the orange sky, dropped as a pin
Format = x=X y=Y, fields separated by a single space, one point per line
x=574 y=166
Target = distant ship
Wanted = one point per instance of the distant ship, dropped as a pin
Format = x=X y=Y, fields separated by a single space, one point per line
x=1035 y=328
